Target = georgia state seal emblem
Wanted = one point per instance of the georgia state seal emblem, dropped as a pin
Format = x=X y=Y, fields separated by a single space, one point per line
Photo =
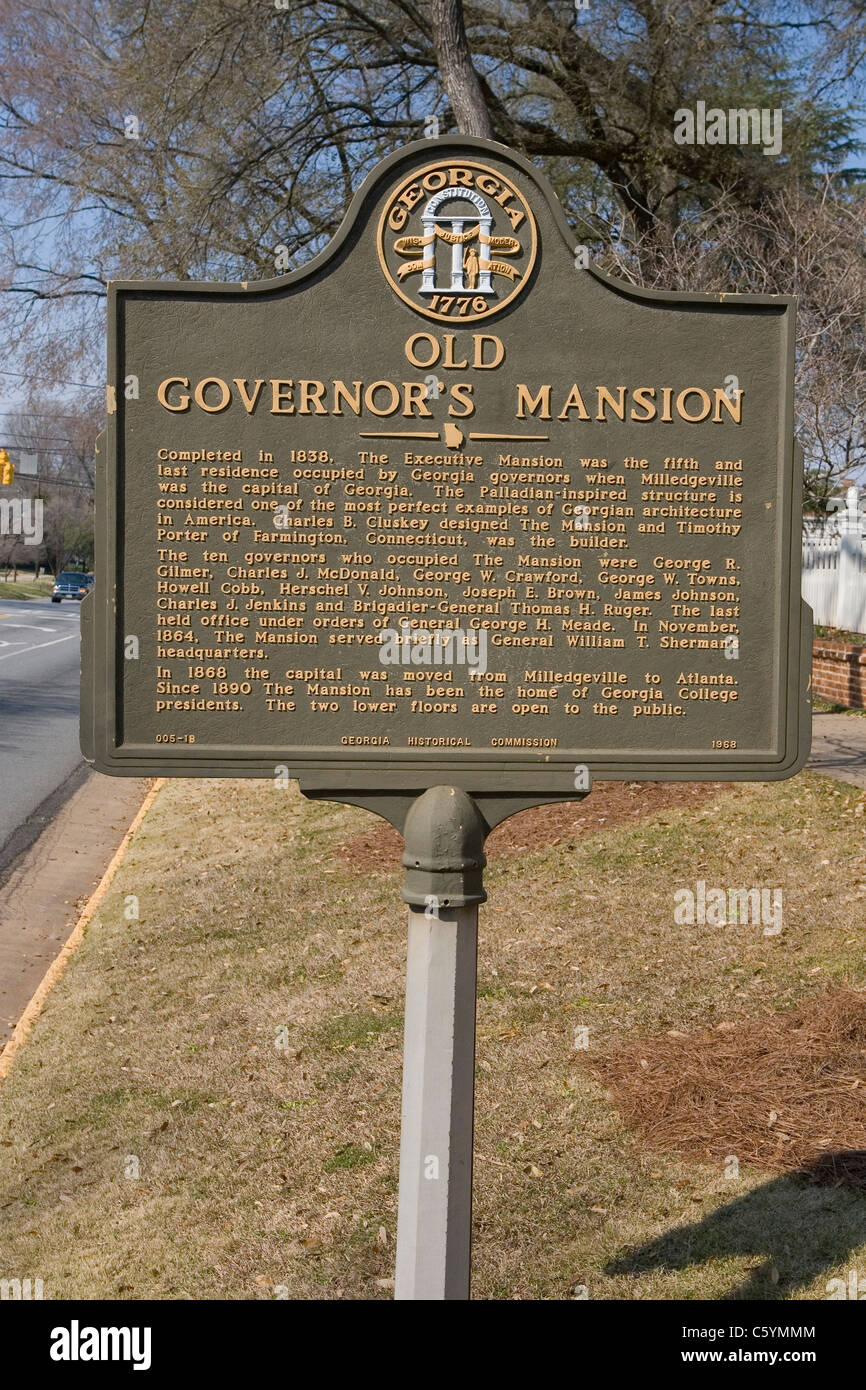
x=457 y=242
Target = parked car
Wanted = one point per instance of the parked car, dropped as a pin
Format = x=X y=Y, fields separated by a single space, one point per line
x=71 y=585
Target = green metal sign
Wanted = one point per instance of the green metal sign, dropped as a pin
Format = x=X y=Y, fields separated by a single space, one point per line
x=447 y=505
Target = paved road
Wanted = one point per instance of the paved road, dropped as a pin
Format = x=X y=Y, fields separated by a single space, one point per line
x=39 y=662
x=60 y=822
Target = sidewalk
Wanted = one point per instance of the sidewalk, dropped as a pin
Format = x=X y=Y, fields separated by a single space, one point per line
x=839 y=747
x=50 y=882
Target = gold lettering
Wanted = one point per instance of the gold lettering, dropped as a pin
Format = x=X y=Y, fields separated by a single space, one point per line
x=526 y=401
x=281 y=391
x=411 y=352
x=162 y=392
x=604 y=397
x=479 y=339
x=249 y=400
x=370 y=397
x=353 y=401
x=574 y=402
x=312 y=390
x=461 y=392
x=415 y=393
x=644 y=396
x=734 y=408
x=448 y=360
x=225 y=394
x=705 y=403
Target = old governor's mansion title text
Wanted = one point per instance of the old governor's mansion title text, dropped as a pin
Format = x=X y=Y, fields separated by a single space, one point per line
x=412 y=399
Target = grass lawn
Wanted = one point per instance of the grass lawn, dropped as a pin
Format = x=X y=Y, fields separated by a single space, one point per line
x=820 y=706
x=839 y=634
x=25 y=588
x=209 y=1104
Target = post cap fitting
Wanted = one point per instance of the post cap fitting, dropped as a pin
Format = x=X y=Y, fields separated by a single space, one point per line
x=444 y=856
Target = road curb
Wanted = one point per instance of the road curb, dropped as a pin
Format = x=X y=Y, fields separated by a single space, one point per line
x=57 y=967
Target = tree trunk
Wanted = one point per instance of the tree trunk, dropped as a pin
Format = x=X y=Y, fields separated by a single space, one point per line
x=459 y=77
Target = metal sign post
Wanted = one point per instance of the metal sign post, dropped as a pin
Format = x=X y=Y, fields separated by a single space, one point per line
x=445 y=524
x=444 y=859
x=434 y=1219
x=444 y=830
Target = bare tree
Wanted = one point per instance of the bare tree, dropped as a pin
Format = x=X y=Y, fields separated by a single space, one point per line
x=67 y=529
x=217 y=140
x=13 y=553
x=61 y=434
x=192 y=141
x=795 y=244
x=459 y=77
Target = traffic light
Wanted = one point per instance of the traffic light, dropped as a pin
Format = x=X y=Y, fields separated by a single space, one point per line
x=7 y=469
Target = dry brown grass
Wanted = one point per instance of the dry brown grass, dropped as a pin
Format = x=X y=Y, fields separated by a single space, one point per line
x=787 y=1092
x=378 y=847
x=263 y=1167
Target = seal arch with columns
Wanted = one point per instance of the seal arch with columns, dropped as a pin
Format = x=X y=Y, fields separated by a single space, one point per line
x=459 y=236
x=483 y=217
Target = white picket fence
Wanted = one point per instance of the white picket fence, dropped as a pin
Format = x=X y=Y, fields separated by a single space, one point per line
x=834 y=570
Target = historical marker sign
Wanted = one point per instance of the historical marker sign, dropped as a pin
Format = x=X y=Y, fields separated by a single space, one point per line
x=447 y=505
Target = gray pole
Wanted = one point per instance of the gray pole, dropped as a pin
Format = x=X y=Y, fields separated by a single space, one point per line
x=444 y=830
x=444 y=859
x=434 y=1221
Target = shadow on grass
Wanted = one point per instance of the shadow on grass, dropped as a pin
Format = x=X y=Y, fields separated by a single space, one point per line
x=798 y=1226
